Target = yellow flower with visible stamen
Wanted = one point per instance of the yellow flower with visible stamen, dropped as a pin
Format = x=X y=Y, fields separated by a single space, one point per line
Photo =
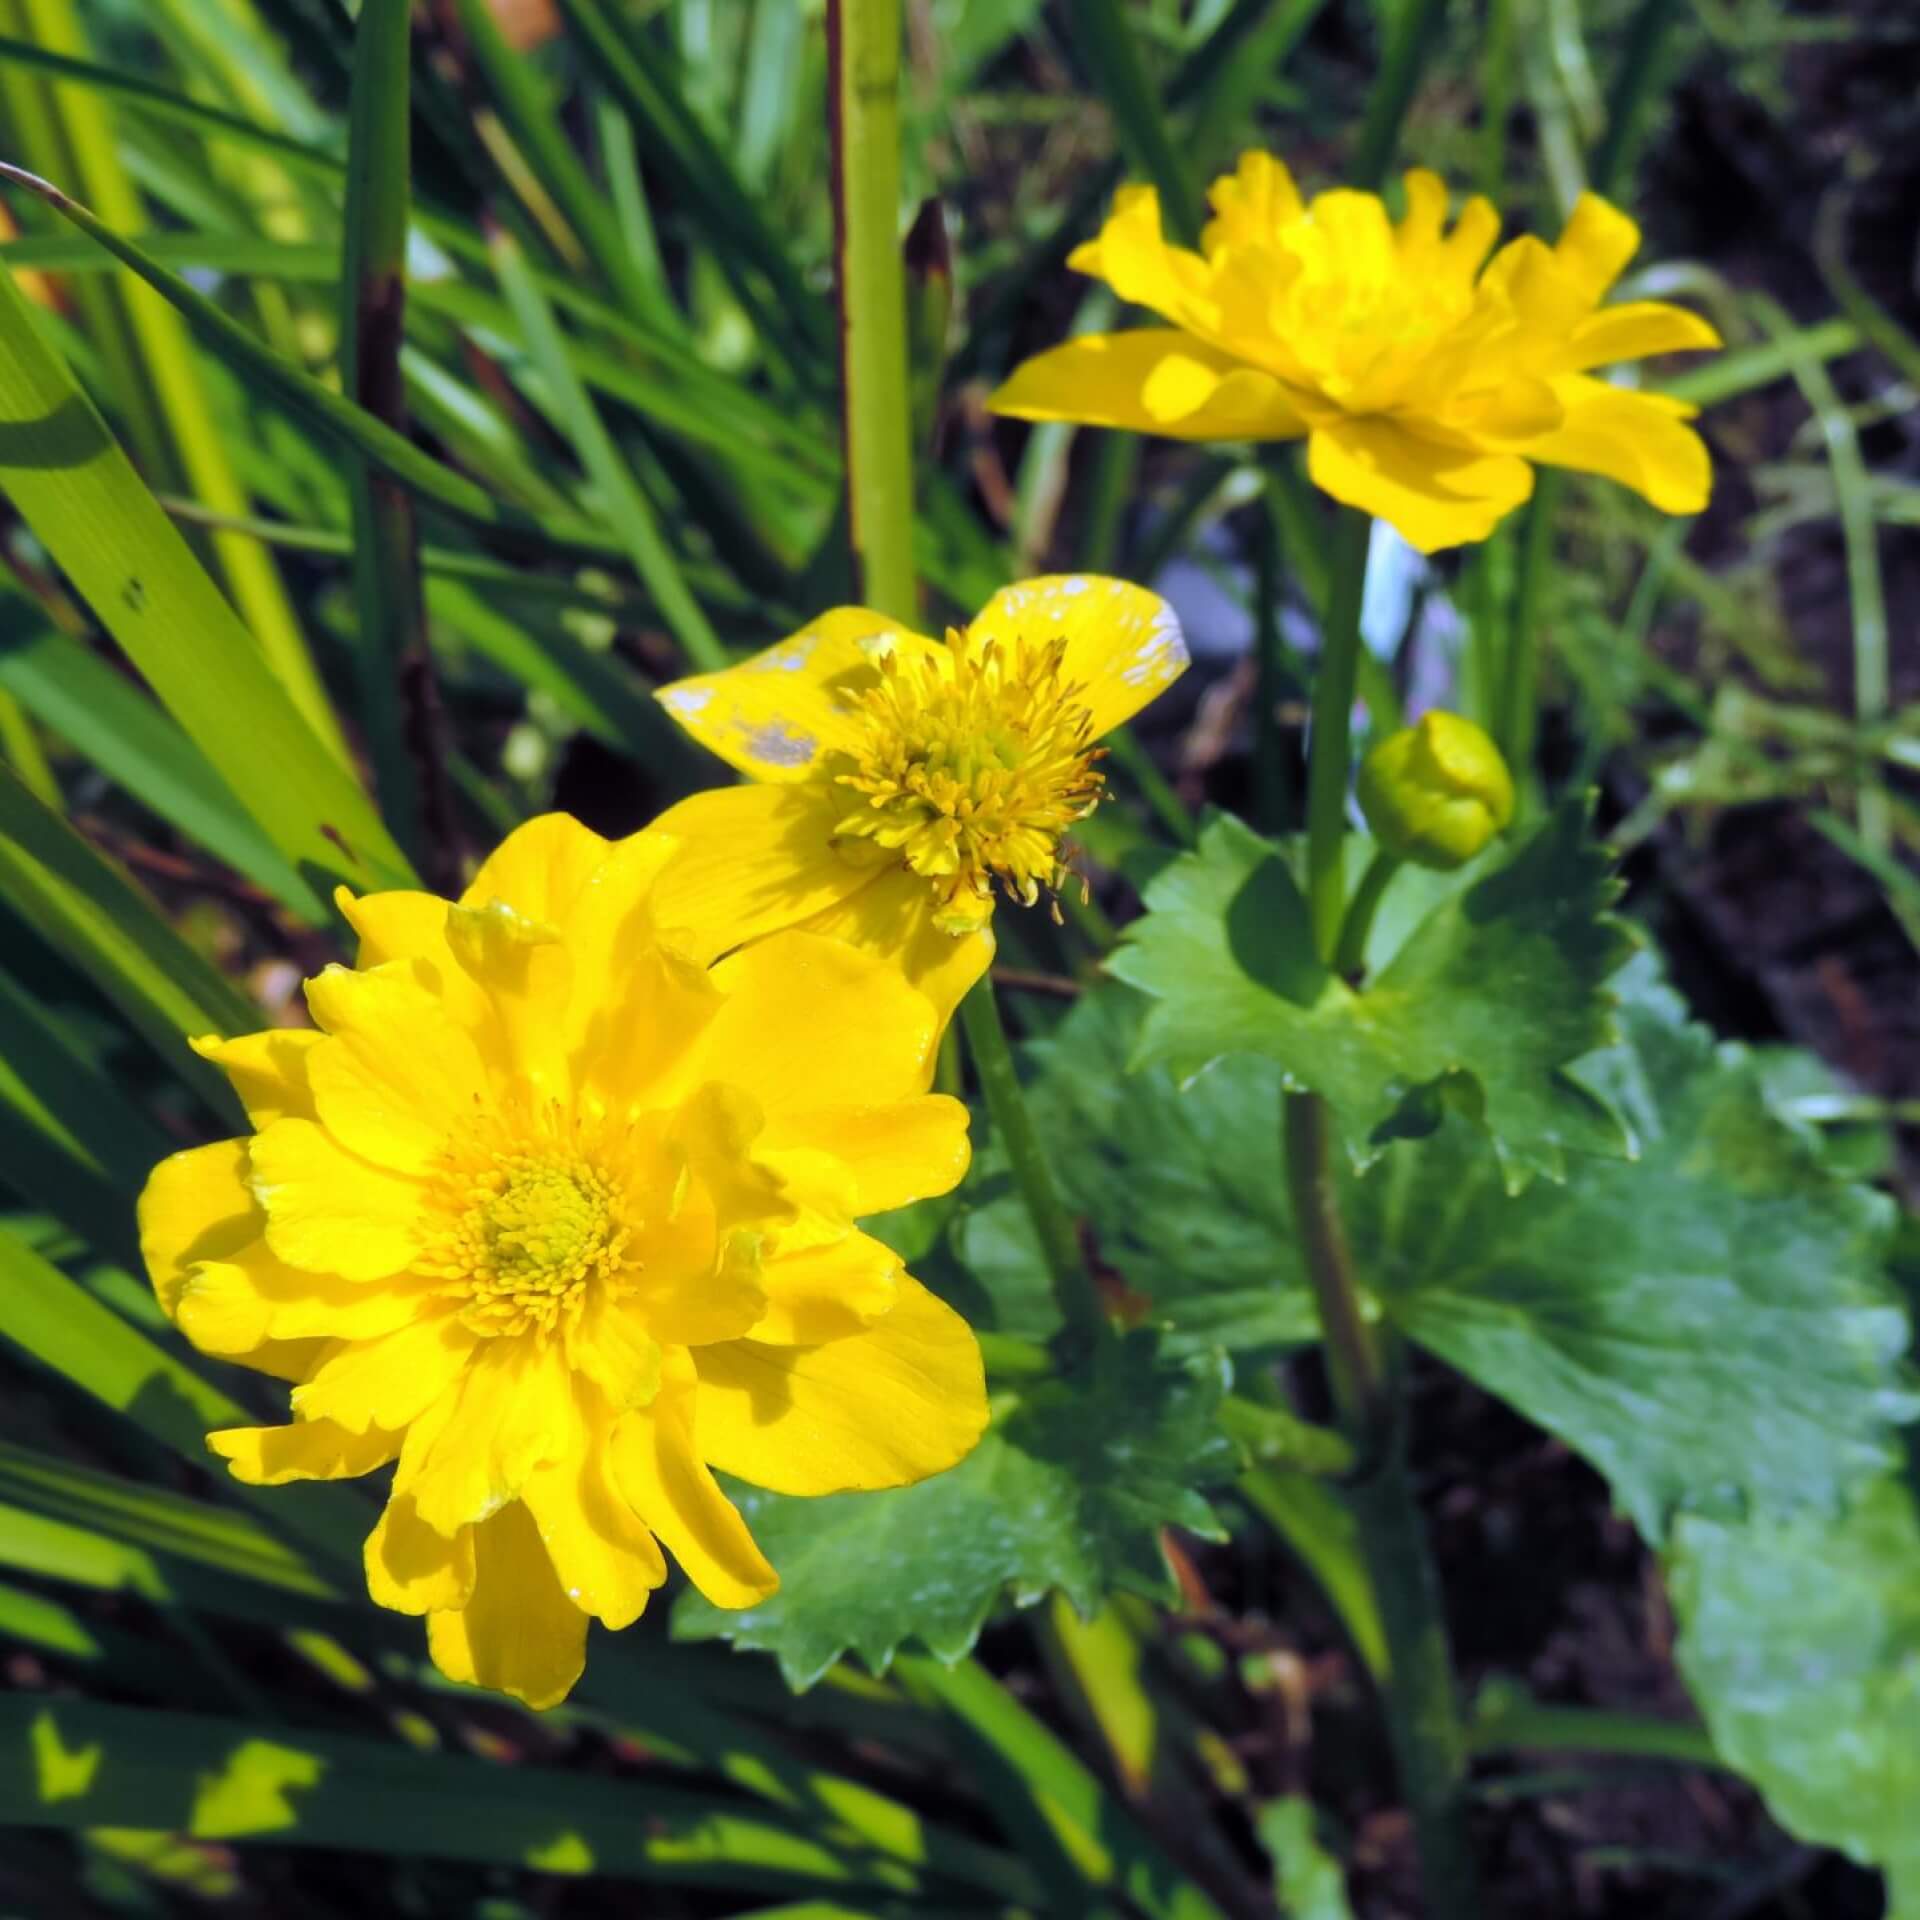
x=905 y=783
x=558 y=1218
x=1424 y=382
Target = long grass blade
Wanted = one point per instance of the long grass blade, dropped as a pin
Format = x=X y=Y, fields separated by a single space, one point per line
x=80 y=495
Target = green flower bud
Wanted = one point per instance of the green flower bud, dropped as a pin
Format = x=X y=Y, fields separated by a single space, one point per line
x=1437 y=792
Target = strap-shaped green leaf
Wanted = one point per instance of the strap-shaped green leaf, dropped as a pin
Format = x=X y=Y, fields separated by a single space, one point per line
x=80 y=494
x=76 y=695
x=87 y=909
x=70 y=1763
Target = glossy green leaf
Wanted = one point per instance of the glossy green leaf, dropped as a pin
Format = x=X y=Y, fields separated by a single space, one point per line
x=1483 y=1009
x=1708 y=1325
x=1705 y=1324
x=70 y=1763
x=1180 y=1190
x=82 y=498
x=1068 y=1491
x=99 y=713
x=1800 y=1641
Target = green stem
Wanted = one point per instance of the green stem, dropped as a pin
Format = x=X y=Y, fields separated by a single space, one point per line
x=1516 y=698
x=1352 y=952
x=1417 y=1687
x=864 y=41
x=1073 y=1288
x=399 y=703
x=1327 y=746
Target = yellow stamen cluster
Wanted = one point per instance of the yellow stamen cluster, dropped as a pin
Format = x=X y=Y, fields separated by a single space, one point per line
x=971 y=770
x=528 y=1230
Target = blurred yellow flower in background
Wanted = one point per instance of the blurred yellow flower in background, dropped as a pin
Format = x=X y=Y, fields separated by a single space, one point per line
x=903 y=780
x=1424 y=382
x=558 y=1219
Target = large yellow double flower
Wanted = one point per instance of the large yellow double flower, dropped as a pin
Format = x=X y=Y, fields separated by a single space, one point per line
x=1425 y=377
x=902 y=782
x=557 y=1215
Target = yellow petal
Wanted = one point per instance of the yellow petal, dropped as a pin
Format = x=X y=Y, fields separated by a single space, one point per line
x=518 y=1633
x=232 y=1306
x=891 y=916
x=293 y=1360
x=526 y=973
x=268 y=1071
x=395 y=1075
x=1152 y=380
x=1595 y=245
x=1251 y=204
x=413 y=926
x=195 y=1206
x=897 y=1154
x=414 y=1569
x=514 y=1413
x=1124 y=644
x=665 y=1481
x=810 y=1022
x=752 y=860
x=608 y=1563
x=305 y=1450
x=827 y=1292
x=389 y=1381
x=1634 y=331
x=612 y=921
x=1434 y=496
x=616 y=1346
x=330 y=1211
x=540 y=869
x=901 y=1400
x=1639 y=439
x=1132 y=256
x=774 y=715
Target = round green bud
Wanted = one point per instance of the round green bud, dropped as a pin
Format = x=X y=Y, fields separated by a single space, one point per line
x=1435 y=793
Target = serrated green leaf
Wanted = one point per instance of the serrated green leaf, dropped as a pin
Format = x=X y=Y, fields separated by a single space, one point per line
x=1182 y=1191
x=1708 y=1326
x=1482 y=1011
x=1709 y=1323
x=1800 y=1641
x=1069 y=1491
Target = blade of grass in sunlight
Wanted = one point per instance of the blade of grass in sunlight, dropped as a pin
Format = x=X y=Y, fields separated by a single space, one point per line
x=76 y=1764
x=627 y=508
x=97 y=920
x=340 y=419
x=102 y=716
x=84 y=501
x=161 y=366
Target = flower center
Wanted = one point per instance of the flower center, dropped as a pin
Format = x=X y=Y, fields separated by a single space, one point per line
x=530 y=1229
x=972 y=775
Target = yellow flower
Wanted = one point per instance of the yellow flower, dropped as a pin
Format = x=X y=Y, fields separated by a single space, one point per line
x=1423 y=382
x=558 y=1219
x=904 y=780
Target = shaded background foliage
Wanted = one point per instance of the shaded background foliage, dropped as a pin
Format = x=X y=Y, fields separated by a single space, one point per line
x=622 y=447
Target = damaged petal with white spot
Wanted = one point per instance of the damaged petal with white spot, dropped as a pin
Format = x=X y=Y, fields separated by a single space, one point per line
x=778 y=744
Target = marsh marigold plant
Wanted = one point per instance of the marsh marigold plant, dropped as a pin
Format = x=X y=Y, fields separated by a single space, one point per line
x=901 y=784
x=558 y=1218
x=1427 y=379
